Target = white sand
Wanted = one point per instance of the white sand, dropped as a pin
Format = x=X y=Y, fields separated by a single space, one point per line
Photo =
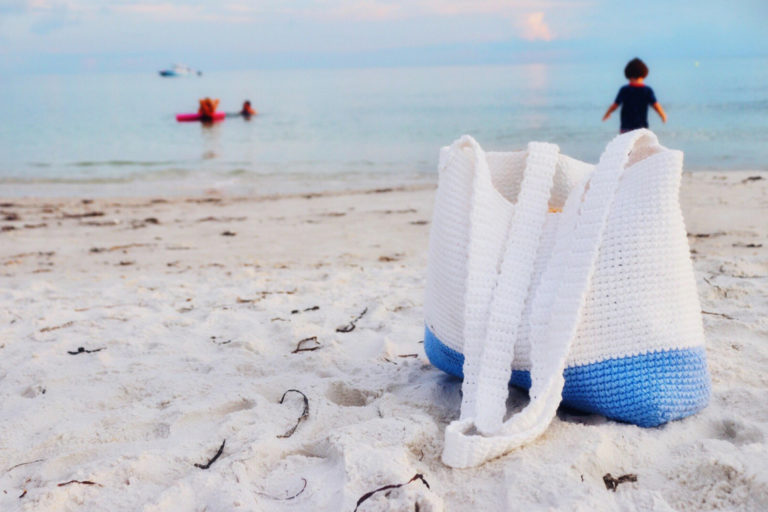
x=197 y=334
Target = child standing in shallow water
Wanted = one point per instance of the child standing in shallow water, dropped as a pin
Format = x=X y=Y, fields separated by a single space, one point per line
x=635 y=98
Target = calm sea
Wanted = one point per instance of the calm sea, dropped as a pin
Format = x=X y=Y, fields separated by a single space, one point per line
x=116 y=134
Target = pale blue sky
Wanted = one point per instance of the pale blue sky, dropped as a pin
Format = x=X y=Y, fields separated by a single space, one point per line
x=59 y=35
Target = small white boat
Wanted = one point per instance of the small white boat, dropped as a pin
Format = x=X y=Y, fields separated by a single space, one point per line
x=179 y=70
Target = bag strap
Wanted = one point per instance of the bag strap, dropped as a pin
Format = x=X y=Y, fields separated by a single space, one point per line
x=485 y=224
x=555 y=312
x=509 y=296
x=489 y=231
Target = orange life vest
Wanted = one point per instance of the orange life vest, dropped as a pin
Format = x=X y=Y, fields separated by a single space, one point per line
x=208 y=107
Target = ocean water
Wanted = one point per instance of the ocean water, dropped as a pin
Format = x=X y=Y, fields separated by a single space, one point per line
x=324 y=129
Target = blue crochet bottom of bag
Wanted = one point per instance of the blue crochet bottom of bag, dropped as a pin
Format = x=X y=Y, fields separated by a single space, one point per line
x=647 y=390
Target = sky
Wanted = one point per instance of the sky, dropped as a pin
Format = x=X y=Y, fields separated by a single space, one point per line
x=114 y=35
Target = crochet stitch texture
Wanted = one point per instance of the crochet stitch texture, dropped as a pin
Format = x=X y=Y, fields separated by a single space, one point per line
x=569 y=279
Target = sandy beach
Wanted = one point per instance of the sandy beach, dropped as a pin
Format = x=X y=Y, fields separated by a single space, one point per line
x=146 y=344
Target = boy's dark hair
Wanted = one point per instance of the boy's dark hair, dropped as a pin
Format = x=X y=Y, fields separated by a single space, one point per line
x=636 y=69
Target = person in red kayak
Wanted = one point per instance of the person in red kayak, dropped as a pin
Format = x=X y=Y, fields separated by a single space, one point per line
x=247 y=111
x=207 y=109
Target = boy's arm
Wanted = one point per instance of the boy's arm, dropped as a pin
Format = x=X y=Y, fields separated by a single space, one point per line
x=660 y=111
x=611 y=109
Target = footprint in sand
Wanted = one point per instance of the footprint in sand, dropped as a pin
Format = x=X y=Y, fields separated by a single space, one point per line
x=33 y=391
x=737 y=432
x=342 y=394
x=206 y=415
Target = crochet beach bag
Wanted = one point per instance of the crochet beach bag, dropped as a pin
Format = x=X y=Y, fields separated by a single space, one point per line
x=569 y=279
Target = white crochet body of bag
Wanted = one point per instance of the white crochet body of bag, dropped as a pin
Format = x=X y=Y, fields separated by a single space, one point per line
x=571 y=279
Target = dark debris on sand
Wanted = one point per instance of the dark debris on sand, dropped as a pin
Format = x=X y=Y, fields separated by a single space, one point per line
x=417 y=476
x=612 y=483
x=304 y=413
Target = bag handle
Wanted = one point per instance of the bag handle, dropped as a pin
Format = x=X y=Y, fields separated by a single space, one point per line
x=555 y=312
x=483 y=222
x=508 y=301
x=488 y=233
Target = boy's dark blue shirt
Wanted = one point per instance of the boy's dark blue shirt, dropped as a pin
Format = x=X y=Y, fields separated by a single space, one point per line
x=634 y=101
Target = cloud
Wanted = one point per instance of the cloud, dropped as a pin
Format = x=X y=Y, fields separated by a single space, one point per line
x=373 y=22
x=13 y=7
x=25 y=6
x=174 y=12
x=57 y=5
x=163 y=10
x=458 y=7
x=369 y=10
x=41 y=16
x=536 y=29
x=240 y=11
x=387 y=10
x=241 y=7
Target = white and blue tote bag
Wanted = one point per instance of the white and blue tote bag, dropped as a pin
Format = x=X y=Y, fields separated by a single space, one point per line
x=569 y=279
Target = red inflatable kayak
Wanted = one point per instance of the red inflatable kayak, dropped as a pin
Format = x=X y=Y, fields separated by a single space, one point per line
x=184 y=118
